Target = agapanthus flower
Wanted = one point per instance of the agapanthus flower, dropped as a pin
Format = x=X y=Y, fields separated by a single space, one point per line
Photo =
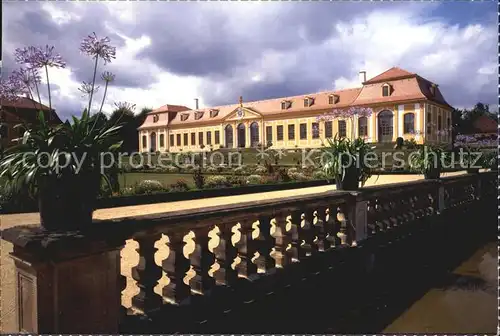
x=37 y=57
x=86 y=88
x=95 y=47
x=107 y=76
x=27 y=56
x=11 y=89
x=125 y=106
x=29 y=77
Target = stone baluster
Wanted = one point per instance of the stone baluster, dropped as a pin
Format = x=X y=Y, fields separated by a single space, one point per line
x=175 y=266
x=379 y=210
x=225 y=253
x=371 y=218
x=147 y=274
x=201 y=261
x=319 y=228
x=306 y=233
x=343 y=231
x=264 y=244
x=282 y=239
x=122 y=285
x=330 y=227
x=297 y=251
x=246 y=251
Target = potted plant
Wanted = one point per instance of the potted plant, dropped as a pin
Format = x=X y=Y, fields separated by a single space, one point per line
x=61 y=165
x=344 y=160
x=428 y=161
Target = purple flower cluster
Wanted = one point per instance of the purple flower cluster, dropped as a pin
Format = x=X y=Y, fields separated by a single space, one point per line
x=38 y=57
x=10 y=89
x=126 y=106
x=107 y=76
x=95 y=47
x=28 y=77
x=86 y=88
x=468 y=141
x=348 y=113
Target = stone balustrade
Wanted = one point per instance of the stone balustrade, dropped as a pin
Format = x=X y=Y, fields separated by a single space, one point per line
x=72 y=282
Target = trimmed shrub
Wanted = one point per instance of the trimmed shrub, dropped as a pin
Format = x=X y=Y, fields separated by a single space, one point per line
x=171 y=169
x=298 y=177
x=211 y=169
x=319 y=175
x=260 y=170
x=292 y=171
x=254 y=179
x=235 y=180
x=216 y=181
x=149 y=187
x=179 y=185
x=239 y=170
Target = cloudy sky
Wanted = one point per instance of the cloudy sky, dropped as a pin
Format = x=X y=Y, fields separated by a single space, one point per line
x=171 y=52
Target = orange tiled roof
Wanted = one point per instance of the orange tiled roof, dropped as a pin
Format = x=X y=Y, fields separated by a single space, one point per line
x=392 y=73
x=271 y=106
x=24 y=103
x=405 y=86
x=485 y=124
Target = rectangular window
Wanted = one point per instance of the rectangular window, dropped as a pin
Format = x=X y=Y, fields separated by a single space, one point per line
x=328 y=129
x=179 y=140
x=440 y=126
x=303 y=131
x=200 y=138
x=172 y=140
x=162 y=140
x=315 y=129
x=448 y=123
x=429 y=123
x=193 y=139
x=409 y=123
x=217 y=137
x=291 y=132
x=209 y=138
x=269 y=133
x=342 y=129
x=363 y=126
x=279 y=132
x=385 y=90
x=144 y=138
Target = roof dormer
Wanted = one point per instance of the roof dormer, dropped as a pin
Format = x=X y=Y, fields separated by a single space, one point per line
x=386 y=90
x=156 y=117
x=308 y=101
x=286 y=104
x=333 y=99
x=184 y=116
x=433 y=88
x=214 y=113
x=198 y=115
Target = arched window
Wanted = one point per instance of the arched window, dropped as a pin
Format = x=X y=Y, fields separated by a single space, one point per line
x=144 y=141
x=409 y=123
x=385 y=126
x=241 y=135
x=254 y=134
x=162 y=140
x=363 y=126
x=228 y=133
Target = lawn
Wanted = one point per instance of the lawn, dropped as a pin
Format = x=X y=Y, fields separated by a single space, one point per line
x=129 y=179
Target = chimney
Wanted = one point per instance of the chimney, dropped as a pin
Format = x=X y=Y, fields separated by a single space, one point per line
x=363 y=77
x=196 y=104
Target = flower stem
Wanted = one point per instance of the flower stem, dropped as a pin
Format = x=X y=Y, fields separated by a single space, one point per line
x=31 y=96
x=93 y=83
x=48 y=87
x=36 y=87
x=104 y=97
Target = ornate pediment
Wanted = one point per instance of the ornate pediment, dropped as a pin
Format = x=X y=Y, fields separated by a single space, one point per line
x=243 y=113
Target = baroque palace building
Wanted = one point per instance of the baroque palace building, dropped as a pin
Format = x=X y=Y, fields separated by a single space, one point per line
x=404 y=105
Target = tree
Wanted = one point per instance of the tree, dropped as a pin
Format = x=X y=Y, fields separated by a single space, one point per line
x=463 y=119
x=124 y=113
